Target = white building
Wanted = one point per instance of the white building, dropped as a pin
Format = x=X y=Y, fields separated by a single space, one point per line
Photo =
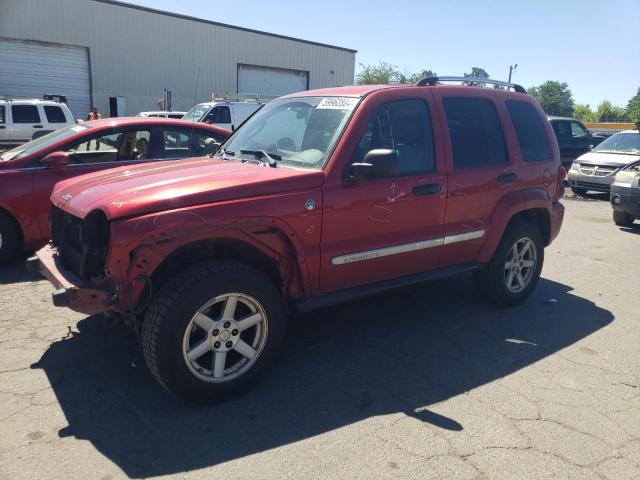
x=120 y=57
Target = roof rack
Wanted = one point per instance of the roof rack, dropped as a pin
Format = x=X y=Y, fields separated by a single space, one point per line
x=436 y=80
x=55 y=97
x=242 y=97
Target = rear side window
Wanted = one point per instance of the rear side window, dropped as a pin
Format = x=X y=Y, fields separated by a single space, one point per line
x=475 y=132
x=2 y=114
x=532 y=138
x=25 y=114
x=54 y=114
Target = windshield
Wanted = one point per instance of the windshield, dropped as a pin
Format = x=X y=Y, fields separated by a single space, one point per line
x=42 y=142
x=197 y=112
x=299 y=132
x=623 y=142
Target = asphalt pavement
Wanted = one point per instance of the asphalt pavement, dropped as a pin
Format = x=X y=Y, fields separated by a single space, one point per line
x=426 y=382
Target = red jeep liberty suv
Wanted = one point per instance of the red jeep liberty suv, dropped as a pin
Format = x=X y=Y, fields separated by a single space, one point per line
x=321 y=197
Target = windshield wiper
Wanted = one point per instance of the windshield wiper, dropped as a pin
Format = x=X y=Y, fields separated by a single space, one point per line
x=272 y=159
x=224 y=153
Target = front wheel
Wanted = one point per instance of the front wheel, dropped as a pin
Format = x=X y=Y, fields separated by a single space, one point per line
x=515 y=268
x=579 y=191
x=622 y=219
x=212 y=330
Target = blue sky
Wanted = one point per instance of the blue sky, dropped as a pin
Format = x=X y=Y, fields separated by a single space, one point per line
x=593 y=45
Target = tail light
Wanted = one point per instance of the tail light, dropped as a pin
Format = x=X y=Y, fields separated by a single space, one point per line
x=562 y=182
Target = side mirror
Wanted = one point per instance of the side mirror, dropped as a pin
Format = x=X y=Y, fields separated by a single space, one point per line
x=377 y=163
x=56 y=159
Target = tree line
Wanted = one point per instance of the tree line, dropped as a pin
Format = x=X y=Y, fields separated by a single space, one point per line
x=555 y=97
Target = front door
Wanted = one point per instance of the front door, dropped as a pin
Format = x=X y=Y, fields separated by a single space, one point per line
x=220 y=116
x=381 y=228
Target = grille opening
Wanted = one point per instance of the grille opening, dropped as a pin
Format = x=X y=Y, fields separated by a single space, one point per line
x=82 y=244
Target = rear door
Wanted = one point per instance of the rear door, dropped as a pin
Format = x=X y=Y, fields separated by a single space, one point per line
x=54 y=117
x=480 y=171
x=382 y=228
x=183 y=142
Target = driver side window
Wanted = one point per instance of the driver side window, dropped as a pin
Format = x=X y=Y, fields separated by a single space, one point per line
x=405 y=127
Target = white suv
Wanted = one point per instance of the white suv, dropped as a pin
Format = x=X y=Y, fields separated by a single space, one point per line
x=24 y=120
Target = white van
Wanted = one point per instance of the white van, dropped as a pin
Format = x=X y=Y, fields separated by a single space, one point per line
x=227 y=110
x=23 y=120
x=162 y=114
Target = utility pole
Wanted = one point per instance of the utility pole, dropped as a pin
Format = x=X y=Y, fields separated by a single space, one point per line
x=511 y=69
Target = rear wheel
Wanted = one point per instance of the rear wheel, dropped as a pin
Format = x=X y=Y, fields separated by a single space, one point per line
x=579 y=191
x=515 y=268
x=9 y=238
x=212 y=330
x=622 y=219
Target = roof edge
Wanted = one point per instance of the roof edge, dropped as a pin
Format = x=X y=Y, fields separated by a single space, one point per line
x=220 y=24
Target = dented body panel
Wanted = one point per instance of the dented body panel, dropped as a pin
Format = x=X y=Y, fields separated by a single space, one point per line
x=320 y=231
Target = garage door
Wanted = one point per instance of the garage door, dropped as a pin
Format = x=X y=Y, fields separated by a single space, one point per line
x=271 y=81
x=32 y=69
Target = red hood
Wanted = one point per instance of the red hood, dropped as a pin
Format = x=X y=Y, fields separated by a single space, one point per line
x=152 y=187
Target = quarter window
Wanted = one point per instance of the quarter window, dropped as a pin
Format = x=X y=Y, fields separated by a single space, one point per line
x=54 y=114
x=25 y=114
x=2 y=114
x=475 y=132
x=532 y=137
x=403 y=126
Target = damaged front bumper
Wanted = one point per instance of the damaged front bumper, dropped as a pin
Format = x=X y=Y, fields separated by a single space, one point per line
x=71 y=291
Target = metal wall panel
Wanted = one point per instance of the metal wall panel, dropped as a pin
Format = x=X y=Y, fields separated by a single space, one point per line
x=32 y=69
x=135 y=53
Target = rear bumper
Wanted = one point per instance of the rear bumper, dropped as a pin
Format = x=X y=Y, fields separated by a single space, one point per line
x=555 y=221
x=71 y=291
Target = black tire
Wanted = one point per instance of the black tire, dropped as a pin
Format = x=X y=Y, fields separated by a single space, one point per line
x=491 y=281
x=9 y=238
x=170 y=314
x=579 y=191
x=622 y=219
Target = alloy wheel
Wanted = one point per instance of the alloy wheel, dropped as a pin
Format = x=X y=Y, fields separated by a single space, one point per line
x=225 y=337
x=520 y=265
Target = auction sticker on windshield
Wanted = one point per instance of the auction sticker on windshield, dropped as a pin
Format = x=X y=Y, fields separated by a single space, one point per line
x=338 y=103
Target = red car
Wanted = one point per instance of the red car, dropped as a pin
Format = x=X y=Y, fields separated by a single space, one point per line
x=29 y=172
x=320 y=197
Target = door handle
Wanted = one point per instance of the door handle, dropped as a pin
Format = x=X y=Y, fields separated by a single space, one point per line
x=37 y=126
x=426 y=189
x=507 y=178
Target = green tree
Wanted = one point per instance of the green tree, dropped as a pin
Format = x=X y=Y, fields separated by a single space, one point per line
x=607 y=112
x=555 y=98
x=381 y=74
x=416 y=77
x=583 y=112
x=476 y=72
x=633 y=107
